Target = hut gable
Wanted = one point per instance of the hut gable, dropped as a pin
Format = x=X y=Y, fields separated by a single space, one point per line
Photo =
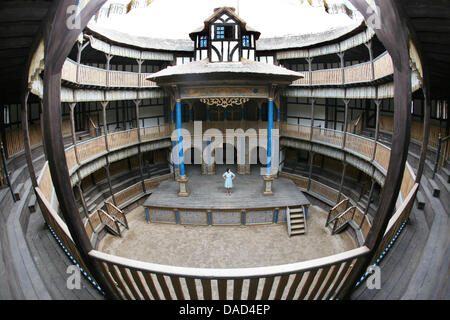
x=224 y=38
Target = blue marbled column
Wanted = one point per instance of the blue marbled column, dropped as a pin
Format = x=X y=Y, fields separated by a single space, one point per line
x=269 y=136
x=180 y=139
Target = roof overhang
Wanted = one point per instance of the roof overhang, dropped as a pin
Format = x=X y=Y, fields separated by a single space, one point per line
x=245 y=72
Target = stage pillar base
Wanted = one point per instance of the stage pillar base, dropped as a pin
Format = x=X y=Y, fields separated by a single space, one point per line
x=210 y=169
x=183 y=190
x=268 y=184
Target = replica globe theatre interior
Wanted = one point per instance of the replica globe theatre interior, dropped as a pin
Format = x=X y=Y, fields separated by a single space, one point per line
x=115 y=147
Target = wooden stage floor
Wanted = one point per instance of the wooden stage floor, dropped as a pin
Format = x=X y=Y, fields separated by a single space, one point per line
x=208 y=192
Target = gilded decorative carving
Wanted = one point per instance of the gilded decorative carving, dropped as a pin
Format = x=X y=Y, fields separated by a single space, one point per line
x=224 y=102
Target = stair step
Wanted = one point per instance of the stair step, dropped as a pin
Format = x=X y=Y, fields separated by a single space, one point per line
x=298 y=226
x=297 y=220
x=297 y=232
x=295 y=210
x=435 y=187
x=420 y=200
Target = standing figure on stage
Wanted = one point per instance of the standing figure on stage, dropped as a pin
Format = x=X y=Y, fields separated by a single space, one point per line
x=229 y=176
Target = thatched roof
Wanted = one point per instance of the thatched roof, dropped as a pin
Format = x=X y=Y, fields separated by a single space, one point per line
x=247 y=67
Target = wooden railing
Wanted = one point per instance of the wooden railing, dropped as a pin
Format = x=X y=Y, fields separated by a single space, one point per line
x=155 y=132
x=44 y=195
x=387 y=125
x=96 y=147
x=99 y=220
x=396 y=222
x=336 y=210
x=301 y=182
x=352 y=214
x=117 y=214
x=382 y=156
x=135 y=191
x=139 y=280
x=383 y=66
x=355 y=126
x=93 y=127
x=361 y=146
x=14 y=137
x=303 y=132
x=90 y=149
x=91 y=76
x=120 y=139
x=358 y=73
x=324 y=192
x=343 y=219
x=328 y=136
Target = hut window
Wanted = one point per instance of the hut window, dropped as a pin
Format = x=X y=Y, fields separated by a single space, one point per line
x=203 y=41
x=220 y=32
x=224 y=32
x=246 y=41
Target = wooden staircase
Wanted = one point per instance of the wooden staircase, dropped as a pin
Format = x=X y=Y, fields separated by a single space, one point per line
x=296 y=221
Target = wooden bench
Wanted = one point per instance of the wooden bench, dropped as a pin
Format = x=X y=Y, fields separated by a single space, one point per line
x=420 y=200
x=446 y=173
x=435 y=187
x=32 y=204
x=17 y=191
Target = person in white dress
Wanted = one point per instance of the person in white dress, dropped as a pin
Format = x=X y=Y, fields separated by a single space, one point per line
x=228 y=176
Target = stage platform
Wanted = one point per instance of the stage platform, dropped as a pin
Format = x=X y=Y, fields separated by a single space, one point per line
x=208 y=192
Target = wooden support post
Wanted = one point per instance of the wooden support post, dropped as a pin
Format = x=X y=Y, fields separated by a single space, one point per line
x=105 y=123
x=191 y=111
x=372 y=67
x=83 y=202
x=313 y=101
x=138 y=121
x=2 y=129
x=341 y=185
x=426 y=130
x=72 y=126
x=59 y=40
x=377 y=127
x=108 y=178
x=259 y=103
x=310 y=60
x=372 y=186
x=80 y=47
x=311 y=160
x=139 y=62
x=346 y=102
x=41 y=123
x=26 y=139
x=342 y=65
x=105 y=128
x=394 y=35
x=108 y=67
